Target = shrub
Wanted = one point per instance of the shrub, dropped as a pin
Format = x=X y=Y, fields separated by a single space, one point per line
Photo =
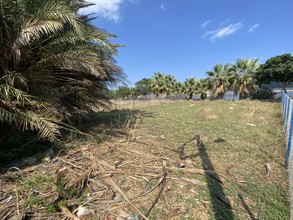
x=263 y=94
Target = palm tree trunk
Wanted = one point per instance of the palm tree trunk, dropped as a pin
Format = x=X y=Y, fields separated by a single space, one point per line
x=190 y=96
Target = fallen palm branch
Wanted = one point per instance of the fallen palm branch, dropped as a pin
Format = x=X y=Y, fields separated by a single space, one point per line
x=162 y=182
x=116 y=187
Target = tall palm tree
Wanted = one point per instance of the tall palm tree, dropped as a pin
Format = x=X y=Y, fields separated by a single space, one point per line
x=244 y=69
x=220 y=78
x=190 y=87
x=53 y=63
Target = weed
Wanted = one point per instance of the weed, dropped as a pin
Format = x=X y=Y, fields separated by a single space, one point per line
x=33 y=200
x=51 y=208
x=15 y=177
x=62 y=203
x=39 y=182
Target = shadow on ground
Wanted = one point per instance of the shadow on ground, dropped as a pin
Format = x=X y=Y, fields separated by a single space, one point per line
x=111 y=122
x=220 y=203
x=22 y=148
x=181 y=151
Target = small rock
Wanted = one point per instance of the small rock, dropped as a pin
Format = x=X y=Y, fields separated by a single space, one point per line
x=82 y=212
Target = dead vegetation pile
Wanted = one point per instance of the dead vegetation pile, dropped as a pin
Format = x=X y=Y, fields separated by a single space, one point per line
x=122 y=178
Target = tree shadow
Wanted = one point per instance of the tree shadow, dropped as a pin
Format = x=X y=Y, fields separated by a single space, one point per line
x=220 y=203
x=24 y=148
x=18 y=147
x=114 y=122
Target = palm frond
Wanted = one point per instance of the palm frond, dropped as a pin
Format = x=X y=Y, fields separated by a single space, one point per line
x=10 y=94
x=35 y=29
x=49 y=18
x=46 y=127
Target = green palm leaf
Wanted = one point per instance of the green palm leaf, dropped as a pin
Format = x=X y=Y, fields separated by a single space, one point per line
x=46 y=127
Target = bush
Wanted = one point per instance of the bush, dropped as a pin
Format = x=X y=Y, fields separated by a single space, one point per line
x=263 y=94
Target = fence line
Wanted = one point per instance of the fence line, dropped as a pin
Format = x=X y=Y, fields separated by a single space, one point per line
x=135 y=103
x=287 y=104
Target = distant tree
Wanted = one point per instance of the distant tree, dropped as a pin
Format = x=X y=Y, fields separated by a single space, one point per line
x=178 y=88
x=123 y=92
x=132 y=92
x=156 y=83
x=242 y=81
x=142 y=86
x=220 y=78
x=190 y=87
x=202 y=86
x=111 y=94
x=276 y=69
x=162 y=84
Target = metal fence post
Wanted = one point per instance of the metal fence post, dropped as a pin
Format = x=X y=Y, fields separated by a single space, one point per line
x=287 y=107
x=289 y=138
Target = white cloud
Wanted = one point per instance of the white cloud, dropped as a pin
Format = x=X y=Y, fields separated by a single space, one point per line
x=163 y=6
x=253 y=28
x=106 y=8
x=134 y=1
x=205 y=23
x=223 y=32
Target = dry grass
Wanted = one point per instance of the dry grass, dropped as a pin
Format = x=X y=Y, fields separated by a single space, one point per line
x=184 y=160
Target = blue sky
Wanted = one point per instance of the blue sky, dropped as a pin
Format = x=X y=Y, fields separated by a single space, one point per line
x=188 y=37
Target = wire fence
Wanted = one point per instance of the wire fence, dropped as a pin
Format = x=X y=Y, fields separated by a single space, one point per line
x=150 y=100
x=137 y=103
x=287 y=104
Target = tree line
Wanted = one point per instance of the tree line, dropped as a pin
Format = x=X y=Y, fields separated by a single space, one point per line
x=244 y=78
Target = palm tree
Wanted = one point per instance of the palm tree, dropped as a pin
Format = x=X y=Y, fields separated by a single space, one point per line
x=170 y=83
x=178 y=88
x=155 y=83
x=244 y=69
x=220 y=78
x=162 y=84
x=53 y=63
x=190 y=87
x=202 y=86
